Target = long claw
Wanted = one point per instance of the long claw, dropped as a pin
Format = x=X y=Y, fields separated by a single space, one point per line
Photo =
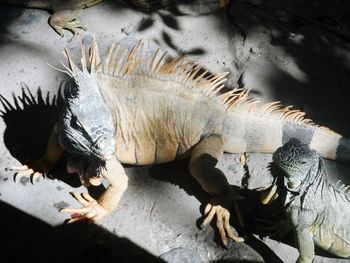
x=268 y=195
x=21 y=174
x=78 y=219
x=230 y=233
x=235 y=238
x=91 y=210
x=36 y=176
x=17 y=168
x=222 y=222
x=220 y=226
x=88 y=197
x=207 y=208
x=33 y=170
x=80 y=211
x=80 y=199
x=209 y=217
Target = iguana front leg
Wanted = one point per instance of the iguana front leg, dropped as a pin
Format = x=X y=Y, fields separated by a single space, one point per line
x=301 y=222
x=204 y=158
x=96 y=209
x=306 y=245
x=54 y=151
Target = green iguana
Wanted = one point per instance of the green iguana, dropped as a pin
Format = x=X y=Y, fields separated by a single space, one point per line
x=65 y=13
x=317 y=211
x=143 y=109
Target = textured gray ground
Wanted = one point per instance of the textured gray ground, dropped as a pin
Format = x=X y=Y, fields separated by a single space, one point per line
x=275 y=55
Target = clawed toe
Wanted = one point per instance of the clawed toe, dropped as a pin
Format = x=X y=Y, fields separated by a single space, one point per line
x=91 y=210
x=222 y=222
x=71 y=26
x=25 y=171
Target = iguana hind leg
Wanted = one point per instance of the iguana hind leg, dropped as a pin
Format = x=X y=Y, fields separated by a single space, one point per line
x=66 y=19
x=54 y=151
x=306 y=245
x=204 y=158
x=93 y=209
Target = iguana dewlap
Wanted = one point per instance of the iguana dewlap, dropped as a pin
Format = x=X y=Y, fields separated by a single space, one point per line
x=150 y=111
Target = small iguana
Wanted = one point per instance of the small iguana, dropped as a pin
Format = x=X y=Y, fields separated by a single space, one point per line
x=317 y=211
x=65 y=13
x=132 y=110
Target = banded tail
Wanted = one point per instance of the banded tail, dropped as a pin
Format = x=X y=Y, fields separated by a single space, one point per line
x=249 y=128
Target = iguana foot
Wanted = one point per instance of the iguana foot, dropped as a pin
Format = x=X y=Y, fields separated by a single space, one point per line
x=34 y=170
x=222 y=221
x=91 y=211
x=66 y=19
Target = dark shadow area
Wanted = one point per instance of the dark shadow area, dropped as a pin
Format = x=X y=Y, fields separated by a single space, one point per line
x=8 y=14
x=29 y=120
x=27 y=239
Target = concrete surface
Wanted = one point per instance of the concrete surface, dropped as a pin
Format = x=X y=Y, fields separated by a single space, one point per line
x=274 y=54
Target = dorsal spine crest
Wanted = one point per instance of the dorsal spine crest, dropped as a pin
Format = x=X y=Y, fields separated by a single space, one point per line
x=189 y=75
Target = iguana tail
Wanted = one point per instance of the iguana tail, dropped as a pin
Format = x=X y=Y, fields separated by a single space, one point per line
x=249 y=128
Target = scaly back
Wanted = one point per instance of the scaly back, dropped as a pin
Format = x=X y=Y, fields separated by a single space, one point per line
x=126 y=65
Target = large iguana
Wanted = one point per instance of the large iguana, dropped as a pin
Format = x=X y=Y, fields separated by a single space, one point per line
x=132 y=110
x=317 y=211
x=65 y=13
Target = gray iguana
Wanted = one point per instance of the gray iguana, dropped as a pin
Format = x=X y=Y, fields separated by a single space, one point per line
x=65 y=13
x=317 y=211
x=128 y=109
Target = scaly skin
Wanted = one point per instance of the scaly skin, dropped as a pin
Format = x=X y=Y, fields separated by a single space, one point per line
x=147 y=111
x=317 y=211
x=65 y=13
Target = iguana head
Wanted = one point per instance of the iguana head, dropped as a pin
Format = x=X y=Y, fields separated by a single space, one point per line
x=296 y=161
x=86 y=127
